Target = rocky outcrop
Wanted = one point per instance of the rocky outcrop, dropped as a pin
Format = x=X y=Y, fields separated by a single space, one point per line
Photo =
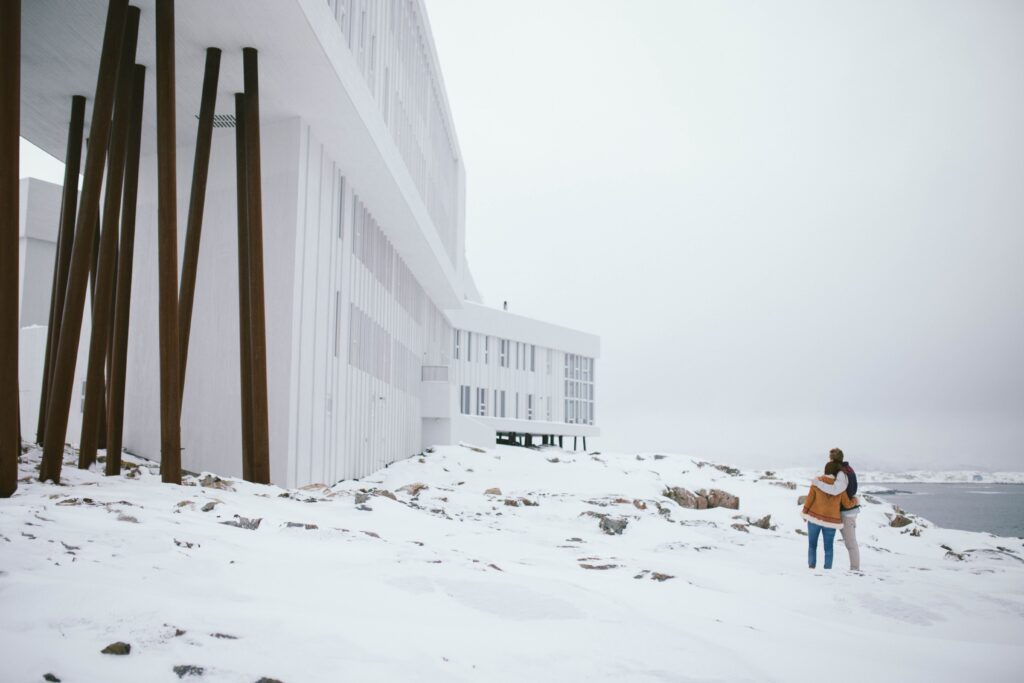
x=614 y=525
x=703 y=499
x=118 y=648
x=899 y=520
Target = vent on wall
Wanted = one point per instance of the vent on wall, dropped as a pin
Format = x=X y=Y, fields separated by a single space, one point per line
x=222 y=120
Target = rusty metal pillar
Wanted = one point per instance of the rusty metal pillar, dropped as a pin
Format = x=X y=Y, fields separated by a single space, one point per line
x=260 y=422
x=102 y=313
x=62 y=258
x=167 y=246
x=78 y=275
x=10 y=129
x=122 y=308
x=197 y=200
x=244 y=311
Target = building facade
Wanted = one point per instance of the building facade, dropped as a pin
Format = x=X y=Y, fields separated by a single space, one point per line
x=373 y=319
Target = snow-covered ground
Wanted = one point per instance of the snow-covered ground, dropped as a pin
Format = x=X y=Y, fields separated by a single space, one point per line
x=446 y=582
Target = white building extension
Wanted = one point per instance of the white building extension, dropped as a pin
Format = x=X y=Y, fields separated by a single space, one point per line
x=373 y=320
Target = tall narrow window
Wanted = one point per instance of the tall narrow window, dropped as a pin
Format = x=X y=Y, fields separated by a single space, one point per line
x=529 y=406
x=337 y=321
x=469 y=347
x=533 y=358
x=487 y=350
x=457 y=351
x=481 y=401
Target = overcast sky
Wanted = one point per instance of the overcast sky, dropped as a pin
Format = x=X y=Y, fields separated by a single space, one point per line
x=795 y=225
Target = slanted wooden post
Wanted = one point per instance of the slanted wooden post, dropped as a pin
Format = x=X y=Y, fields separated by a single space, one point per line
x=62 y=257
x=260 y=424
x=122 y=308
x=99 y=341
x=167 y=246
x=10 y=130
x=81 y=253
x=197 y=200
x=244 y=310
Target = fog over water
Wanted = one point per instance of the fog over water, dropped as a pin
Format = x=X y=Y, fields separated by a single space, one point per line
x=795 y=225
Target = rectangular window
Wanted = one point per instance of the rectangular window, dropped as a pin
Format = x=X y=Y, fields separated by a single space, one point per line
x=503 y=353
x=481 y=402
x=518 y=347
x=503 y=413
x=464 y=400
x=533 y=358
x=457 y=351
x=487 y=350
x=529 y=406
x=469 y=347
x=517 y=405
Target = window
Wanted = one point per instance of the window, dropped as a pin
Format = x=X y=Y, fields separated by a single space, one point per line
x=457 y=351
x=503 y=413
x=503 y=345
x=487 y=350
x=464 y=400
x=469 y=347
x=518 y=347
x=533 y=358
x=481 y=402
x=529 y=406
x=579 y=389
x=517 y=405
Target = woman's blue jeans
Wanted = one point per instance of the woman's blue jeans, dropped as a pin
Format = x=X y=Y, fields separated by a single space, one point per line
x=813 y=530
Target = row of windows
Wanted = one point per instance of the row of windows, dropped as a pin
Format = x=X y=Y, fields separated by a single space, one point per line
x=579 y=389
x=477 y=403
x=477 y=348
x=391 y=45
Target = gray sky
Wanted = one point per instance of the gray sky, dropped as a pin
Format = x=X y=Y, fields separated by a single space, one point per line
x=795 y=225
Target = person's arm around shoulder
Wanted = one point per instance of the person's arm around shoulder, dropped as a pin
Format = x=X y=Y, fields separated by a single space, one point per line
x=836 y=487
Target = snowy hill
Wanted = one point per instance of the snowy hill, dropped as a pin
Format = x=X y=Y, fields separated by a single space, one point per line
x=418 y=573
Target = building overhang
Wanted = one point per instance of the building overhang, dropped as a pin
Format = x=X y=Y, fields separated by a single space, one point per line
x=305 y=72
x=482 y=319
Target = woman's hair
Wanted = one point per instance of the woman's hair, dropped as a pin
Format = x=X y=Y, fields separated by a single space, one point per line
x=832 y=468
x=836 y=455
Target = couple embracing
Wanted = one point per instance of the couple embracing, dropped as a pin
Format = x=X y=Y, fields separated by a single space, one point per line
x=831 y=505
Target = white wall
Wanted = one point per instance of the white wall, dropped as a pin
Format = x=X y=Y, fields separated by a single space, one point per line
x=211 y=415
x=39 y=217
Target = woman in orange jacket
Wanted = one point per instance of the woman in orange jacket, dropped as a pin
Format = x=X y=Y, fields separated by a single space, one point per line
x=821 y=511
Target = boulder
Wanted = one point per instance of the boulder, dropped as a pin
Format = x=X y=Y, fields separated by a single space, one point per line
x=495 y=491
x=763 y=523
x=717 y=498
x=613 y=525
x=413 y=489
x=188 y=670
x=244 y=522
x=118 y=648
x=741 y=527
x=362 y=498
x=685 y=498
x=899 y=520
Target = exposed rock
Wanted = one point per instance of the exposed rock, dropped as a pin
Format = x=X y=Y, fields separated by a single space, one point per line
x=553 y=460
x=209 y=506
x=900 y=520
x=118 y=648
x=598 y=566
x=224 y=636
x=784 y=484
x=529 y=503
x=717 y=498
x=763 y=523
x=475 y=449
x=274 y=680
x=685 y=498
x=511 y=502
x=51 y=678
x=385 y=493
x=731 y=471
x=658 y=456
x=211 y=481
x=185 y=503
x=741 y=527
x=127 y=518
x=658 y=576
x=362 y=498
x=244 y=522
x=639 y=504
x=613 y=526
x=493 y=491
x=301 y=525
x=916 y=531
x=801 y=532
x=413 y=489
x=183 y=544
x=188 y=670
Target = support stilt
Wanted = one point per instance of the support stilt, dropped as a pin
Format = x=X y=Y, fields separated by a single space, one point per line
x=167 y=246
x=122 y=307
x=99 y=341
x=62 y=256
x=197 y=200
x=244 y=314
x=10 y=129
x=61 y=387
x=260 y=409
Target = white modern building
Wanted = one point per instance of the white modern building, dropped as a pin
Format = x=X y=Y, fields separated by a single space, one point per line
x=378 y=344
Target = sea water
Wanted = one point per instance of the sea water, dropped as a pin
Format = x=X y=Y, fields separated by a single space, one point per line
x=995 y=508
